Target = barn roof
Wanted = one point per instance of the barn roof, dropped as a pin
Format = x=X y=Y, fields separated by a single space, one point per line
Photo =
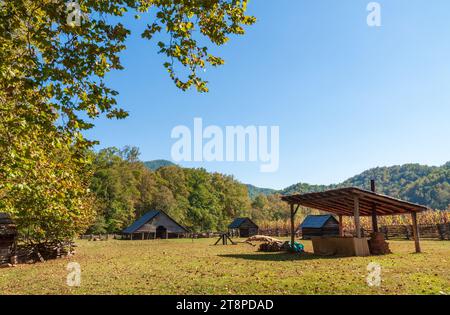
x=238 y=222
x=146 y=218
x=341 y=201
x=141 y=221
x=5 y=218
x=316 y=221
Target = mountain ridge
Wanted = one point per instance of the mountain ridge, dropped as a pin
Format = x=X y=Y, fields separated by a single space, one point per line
x=422 y=184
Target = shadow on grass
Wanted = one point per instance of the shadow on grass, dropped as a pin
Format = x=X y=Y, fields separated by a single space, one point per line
x=279 y=256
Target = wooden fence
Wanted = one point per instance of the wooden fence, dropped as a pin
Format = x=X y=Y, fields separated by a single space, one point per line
x=430 y=231
x=434 y=231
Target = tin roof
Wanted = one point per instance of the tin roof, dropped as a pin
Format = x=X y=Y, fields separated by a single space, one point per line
x=146 y=218
x=141 y=221
x=238 y=222
x=341 y=201
x=316 y=221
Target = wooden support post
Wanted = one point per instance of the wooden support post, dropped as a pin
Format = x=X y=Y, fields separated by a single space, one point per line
x=356 y=214
x=142 y=235
x=416 y=232
x=341 y=226
x=292 y=225
x=374 y=209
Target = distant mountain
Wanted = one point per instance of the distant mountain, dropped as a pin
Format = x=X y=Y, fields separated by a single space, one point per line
x=155 y=164
x=254 y=191
x=426 y=185
x=422 y=184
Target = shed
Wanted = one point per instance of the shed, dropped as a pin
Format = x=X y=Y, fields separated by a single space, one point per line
x=319 y=225
x=356 y=202
x=243 y=227
x=155 y=224
x=8 y=236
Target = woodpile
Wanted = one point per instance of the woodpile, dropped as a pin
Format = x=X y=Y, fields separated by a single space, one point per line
x=31 y=253
x=8 y=236
x=269 y=244
x=378 y=244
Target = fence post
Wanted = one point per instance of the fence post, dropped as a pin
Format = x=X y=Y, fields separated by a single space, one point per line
x=441 y=231
x=408 y=234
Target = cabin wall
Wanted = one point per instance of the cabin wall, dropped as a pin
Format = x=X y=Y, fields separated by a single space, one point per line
x=248 y=232
x=248 y=229
x=8 y=234
x=308 y=233
x=161 y=220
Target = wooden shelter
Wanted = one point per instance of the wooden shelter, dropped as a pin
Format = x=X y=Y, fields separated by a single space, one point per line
x=355 y=202
x=155 y=225
x=319 y=225
x=8 y=237
x=243 y=227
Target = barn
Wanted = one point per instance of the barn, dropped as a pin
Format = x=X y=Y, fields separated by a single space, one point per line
x=155 y=225
x=8 y=236
x=243 y=227
x=319 y=225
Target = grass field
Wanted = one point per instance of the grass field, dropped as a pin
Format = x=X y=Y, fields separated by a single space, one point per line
x=196 y=267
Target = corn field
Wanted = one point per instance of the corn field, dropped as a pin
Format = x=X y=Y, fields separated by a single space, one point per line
x=425 y=218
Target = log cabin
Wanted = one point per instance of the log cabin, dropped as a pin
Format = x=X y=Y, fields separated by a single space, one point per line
x=243 y=227
x=319 y=225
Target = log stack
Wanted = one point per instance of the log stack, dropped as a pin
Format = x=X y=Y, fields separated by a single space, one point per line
x=8 y=235
x=378 y=244
x=30 y=253
x=269 y=244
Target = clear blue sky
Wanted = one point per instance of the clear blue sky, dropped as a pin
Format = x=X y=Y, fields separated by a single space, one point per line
x=346 y=97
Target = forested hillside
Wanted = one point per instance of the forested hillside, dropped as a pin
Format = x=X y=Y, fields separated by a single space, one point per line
x=254 y=191
x=126 y=188
x=427 y=185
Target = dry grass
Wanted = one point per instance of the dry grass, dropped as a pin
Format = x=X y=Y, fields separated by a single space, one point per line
x=196 y=267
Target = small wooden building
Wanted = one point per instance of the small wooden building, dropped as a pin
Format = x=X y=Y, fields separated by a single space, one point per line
x=8 y=236
x=155 y=225
x=356 y=202
x=319 y=225
x=243 y=227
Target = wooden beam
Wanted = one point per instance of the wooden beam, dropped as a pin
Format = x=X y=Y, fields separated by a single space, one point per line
x=356 y=215
x=416 y=232
x=292 y=225
x=374 y=208
x=296 y=210
x=341 y=226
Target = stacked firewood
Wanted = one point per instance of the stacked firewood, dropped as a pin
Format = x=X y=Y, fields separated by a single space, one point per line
x=30 y=253
x=378 y=244
x=269 y=244
x=272 y=247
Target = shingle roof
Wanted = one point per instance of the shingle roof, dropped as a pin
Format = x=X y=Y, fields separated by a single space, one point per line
x=315 y=221
x=238 y=222
x=141 y=221
x=5 y=219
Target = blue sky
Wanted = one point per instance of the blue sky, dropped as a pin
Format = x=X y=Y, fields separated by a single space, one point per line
x=346 y=97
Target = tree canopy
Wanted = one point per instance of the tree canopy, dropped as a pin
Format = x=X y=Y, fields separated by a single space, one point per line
x=52 y=87
x=126 y=189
